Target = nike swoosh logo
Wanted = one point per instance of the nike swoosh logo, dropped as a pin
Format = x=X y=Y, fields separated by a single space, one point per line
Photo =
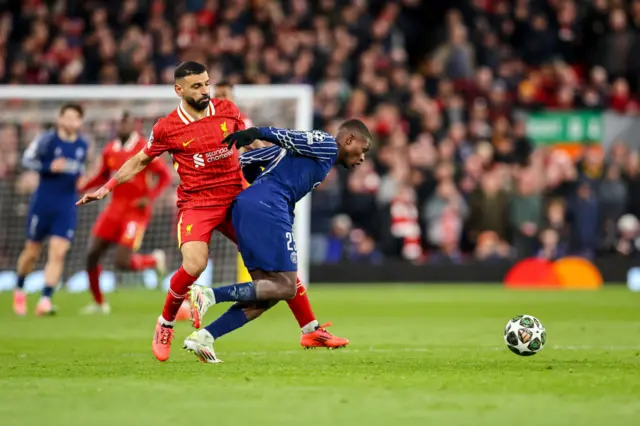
x=184 y=144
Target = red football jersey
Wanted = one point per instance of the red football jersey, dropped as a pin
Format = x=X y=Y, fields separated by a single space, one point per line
x=209 y=172
x=128 y=195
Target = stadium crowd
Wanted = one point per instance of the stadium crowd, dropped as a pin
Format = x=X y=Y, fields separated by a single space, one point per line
x=453 y=174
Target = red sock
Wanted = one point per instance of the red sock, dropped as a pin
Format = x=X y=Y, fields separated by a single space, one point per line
x=140 y=262
x=94 y=283
x=300 y=305
x=180 y=284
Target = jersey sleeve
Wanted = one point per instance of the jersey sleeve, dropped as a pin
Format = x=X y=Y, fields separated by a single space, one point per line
x=252 y=162
x=38 y=156
x=157 y=143
x=315 y=143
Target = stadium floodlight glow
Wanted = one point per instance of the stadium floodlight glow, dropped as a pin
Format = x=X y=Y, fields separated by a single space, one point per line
x=288 y=106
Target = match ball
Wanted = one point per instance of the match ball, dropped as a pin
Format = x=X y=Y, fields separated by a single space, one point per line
x=525 y=335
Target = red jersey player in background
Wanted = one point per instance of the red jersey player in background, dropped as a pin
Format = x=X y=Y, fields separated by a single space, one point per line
x=210 y=180
x=224 y=90
x=125 y=219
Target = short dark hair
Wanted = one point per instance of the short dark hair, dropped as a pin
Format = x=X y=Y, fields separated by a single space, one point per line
x=358 y=127
x=73 y=106
x=224 y=83
x=189 y=68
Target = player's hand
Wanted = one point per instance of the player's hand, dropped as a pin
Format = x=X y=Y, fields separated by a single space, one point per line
x=58 y=165
x=242 y=138
x=94 y=196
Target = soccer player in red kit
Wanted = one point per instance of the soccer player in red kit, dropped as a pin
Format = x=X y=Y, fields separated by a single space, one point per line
x=210 y=180
x=125 y=219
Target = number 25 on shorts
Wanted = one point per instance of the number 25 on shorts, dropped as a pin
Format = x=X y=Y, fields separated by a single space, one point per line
x=291 y=244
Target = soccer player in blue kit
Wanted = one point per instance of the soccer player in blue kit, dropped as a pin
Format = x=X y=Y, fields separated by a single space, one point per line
x=262 y=217
x=59 y=157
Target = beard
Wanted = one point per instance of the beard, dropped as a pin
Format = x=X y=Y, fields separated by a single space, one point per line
x=199 y=104
x=124 y=136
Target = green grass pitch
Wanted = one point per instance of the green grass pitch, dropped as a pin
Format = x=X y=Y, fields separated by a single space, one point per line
x=419 y=355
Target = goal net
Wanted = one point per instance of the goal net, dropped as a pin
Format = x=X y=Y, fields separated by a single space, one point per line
x=28 y=110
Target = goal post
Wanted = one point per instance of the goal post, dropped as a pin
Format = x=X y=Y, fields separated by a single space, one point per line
x=27 y=110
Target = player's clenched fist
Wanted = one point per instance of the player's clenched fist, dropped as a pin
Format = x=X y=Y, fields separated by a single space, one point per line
x=242 y=138
x=94 y=196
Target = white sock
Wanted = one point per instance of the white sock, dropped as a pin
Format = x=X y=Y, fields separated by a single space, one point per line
x=205 y=333
x=165 y=322
x=311 y=327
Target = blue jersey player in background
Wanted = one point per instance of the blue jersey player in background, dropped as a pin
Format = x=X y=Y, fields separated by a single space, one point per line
x=59 y=157
x=263 y=219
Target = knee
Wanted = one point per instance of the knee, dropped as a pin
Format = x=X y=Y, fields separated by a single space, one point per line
x=289 y=290
x=57 y=256
x=93 y=258
x=195 y=265
x=122 y=262
x=57 y=252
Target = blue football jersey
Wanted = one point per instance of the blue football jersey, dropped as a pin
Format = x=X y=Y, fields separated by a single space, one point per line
x=56 y=189
x=297 y=163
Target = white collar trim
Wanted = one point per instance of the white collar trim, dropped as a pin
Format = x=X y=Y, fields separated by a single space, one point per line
x=187 y=119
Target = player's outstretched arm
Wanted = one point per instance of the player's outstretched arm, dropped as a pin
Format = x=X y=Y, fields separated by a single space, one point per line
x=132 y=167
x=315 y=143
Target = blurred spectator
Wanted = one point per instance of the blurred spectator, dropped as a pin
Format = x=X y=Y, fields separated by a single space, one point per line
x=584 y=212
x=556 y=220
x=363 y=249
x=612 y=201
x=488 y=208
x=629 y=241
x=525 y=214
x=614 y=47
x=325 y=204
x=490 y=248
x=404 y=223
x=632 y=180
x=445 y=213
x=337 y=242
x=550 y=248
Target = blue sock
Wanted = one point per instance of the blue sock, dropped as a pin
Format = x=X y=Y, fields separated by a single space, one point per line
x=231 y=320
x=20 y=283
x=47 y=292
x=235 y=292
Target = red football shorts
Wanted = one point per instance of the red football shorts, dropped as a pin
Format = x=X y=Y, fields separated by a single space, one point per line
x=199 y=224
x=124 y=228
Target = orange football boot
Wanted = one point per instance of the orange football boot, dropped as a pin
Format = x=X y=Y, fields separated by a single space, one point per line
x=184 y=313
x=19 y=302
x=44 y=307
x=321 y=338
x=162 y=341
